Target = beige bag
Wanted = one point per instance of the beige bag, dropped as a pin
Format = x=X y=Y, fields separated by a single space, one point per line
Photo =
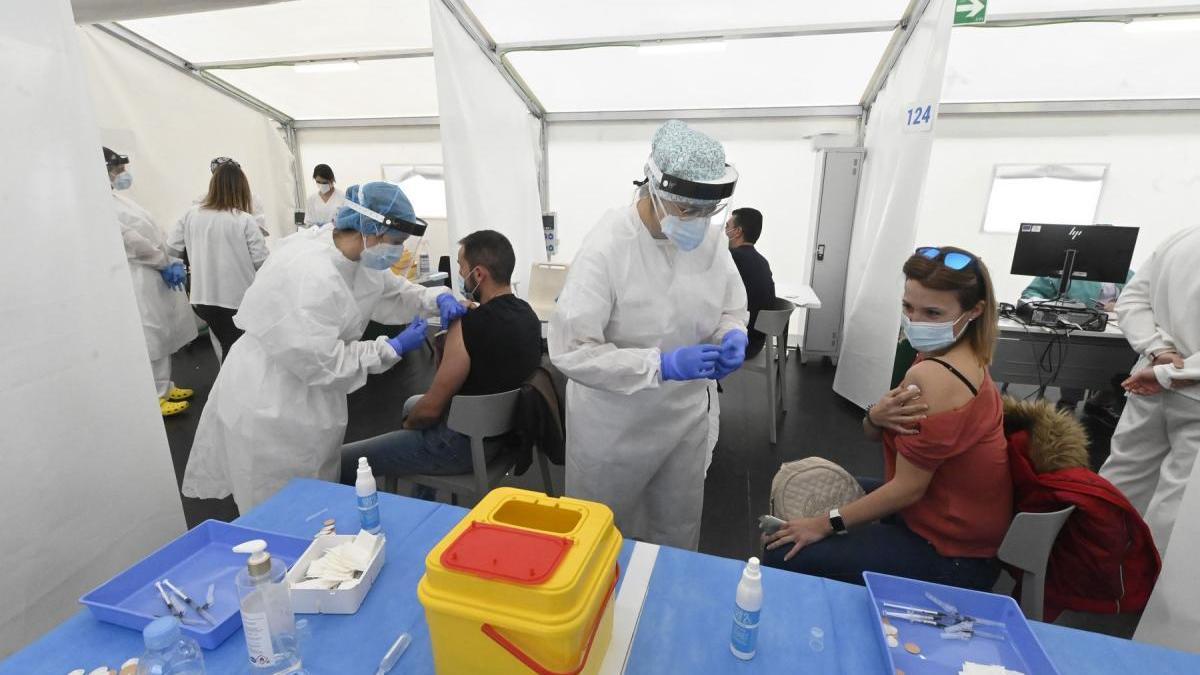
x=811 y=487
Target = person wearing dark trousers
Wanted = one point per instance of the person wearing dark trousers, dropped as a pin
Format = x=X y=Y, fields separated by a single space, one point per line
x=225 y=248
x=743 y=230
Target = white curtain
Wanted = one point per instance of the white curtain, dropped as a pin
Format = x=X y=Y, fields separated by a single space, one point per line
x=885 y=224
x=86 y=482
x=1172 y=617
x=490 y=147
x=171 y=126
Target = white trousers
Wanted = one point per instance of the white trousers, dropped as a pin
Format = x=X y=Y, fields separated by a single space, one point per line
x=162 y=375
x=1153 y=450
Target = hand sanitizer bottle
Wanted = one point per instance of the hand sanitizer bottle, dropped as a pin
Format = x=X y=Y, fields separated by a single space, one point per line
x=745 y=613
x=267 y=618
x=368 y=499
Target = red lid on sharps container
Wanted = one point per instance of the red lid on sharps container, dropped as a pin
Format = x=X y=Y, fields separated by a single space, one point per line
x=507 y=553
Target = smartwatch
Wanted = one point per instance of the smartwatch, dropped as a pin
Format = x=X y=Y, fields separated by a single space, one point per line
x=836 y=522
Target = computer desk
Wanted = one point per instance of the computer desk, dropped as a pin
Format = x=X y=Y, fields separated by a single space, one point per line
x=1044 y=357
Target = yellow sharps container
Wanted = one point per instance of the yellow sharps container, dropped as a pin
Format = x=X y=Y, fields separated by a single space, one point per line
x=524 y=583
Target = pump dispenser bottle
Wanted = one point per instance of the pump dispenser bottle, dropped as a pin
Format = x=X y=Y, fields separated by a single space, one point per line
x=267 y=618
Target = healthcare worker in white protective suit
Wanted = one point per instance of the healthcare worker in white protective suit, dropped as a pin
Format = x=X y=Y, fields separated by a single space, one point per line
x=652 y=313
x=278 y=408
x=1156 y=441
x=158 y=285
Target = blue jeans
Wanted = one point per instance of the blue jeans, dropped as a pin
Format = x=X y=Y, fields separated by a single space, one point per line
x=436 y=451
x=889 y=547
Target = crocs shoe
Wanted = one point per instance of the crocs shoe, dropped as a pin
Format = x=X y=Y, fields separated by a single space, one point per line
x=178 y=394
x=171 y=408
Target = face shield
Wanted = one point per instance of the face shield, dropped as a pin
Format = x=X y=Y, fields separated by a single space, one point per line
x=398 y=241
x=686 y=208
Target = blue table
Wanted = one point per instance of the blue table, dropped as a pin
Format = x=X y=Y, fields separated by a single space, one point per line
x=684 y=626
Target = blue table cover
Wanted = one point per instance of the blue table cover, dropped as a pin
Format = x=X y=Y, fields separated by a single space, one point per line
x=684 y=627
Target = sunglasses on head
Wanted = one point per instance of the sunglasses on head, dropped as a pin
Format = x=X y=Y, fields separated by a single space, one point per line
x=955 y=260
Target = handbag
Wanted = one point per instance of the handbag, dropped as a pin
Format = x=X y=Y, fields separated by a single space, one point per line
x=811 y=487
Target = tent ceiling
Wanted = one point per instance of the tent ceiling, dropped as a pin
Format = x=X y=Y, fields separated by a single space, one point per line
x=774 y=56
x=291 y=30
x=378 y=88
x=728 y=74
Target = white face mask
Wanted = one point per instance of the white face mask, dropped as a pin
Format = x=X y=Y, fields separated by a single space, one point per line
x=931 y=337
x=324 y=188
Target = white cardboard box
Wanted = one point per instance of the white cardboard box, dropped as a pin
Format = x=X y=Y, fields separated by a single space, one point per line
x=315 y=601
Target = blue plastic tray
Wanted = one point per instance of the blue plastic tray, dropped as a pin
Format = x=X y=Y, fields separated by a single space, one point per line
x=1020 y=652
x=196 y=559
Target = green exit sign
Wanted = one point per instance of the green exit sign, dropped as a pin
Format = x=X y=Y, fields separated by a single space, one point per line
x=969 y=11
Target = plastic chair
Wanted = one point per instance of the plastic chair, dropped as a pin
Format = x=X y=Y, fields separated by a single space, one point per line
x=480 y=418
x=772 y=360
x=546 y=282
x=1027 y=546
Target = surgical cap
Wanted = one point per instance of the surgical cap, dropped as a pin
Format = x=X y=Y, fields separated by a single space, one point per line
x=112 y=159
x=383 y=198
x=682 y=151
x=218 y=161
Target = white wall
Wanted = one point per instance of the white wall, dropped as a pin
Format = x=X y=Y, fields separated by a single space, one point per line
x=593 y=166
x=172 y=125
x=86 y=483
x=1153 y=179
x=357 y=155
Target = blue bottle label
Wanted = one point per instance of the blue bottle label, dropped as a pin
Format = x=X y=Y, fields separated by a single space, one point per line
x=368 y=512
x=745 y=630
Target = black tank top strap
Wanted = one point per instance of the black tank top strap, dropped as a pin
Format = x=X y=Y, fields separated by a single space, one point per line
x=952 y=369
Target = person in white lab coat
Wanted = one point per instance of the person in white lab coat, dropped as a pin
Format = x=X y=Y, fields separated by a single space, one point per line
x=224 y=247
x=158 y=280
x=1155 y=443
x=323 y=206
x=278 y=408
x=652 y=312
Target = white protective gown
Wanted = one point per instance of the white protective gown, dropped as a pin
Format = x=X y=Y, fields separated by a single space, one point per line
x=278 y=408
x=167 y=319
x=634 y=442
x=224 y=249
x=317 y=211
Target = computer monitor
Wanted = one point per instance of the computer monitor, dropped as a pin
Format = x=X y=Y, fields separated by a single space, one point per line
x=1087 y=252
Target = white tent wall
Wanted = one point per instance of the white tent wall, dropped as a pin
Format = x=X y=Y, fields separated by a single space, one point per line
x=593 y=166
x=1152 y=181
x=86 y=478
x=490 y=142
x=357 y=155
x=172 y=125
x=885 y=223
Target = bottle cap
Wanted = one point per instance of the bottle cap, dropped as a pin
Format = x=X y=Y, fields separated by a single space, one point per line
x=752 y=570
x=363 y=465
x=260 y=561
x=161 y=633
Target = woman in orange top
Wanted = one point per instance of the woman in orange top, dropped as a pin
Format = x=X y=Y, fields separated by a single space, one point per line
x=947 y=500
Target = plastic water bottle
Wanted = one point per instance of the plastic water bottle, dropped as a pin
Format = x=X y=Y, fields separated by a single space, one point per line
x=745 y=614
x=168 y=652
x=368 y=498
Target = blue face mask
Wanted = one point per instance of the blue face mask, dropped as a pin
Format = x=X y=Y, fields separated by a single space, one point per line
x=930 y=337
x=686 y=233
x=381 y=256
x=123 y=180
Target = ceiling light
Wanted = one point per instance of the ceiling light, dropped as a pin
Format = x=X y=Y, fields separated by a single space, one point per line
x=1163 y=25
x=326 y=66
x=695 y=47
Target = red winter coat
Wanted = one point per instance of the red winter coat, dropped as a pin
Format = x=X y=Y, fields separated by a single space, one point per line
x=1104 y=560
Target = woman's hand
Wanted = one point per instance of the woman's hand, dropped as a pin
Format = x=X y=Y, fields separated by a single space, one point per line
x=799 y=533
x=899 y=410
x=1143 y=383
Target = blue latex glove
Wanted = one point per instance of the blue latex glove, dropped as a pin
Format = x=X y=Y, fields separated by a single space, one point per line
x=173 y=275
x=733 y=353
x=410 y=338
x=451 y=309
x=690 y=363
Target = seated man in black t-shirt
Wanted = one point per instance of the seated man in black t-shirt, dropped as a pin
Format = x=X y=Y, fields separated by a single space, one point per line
x=493 y=349
x=743 y=229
